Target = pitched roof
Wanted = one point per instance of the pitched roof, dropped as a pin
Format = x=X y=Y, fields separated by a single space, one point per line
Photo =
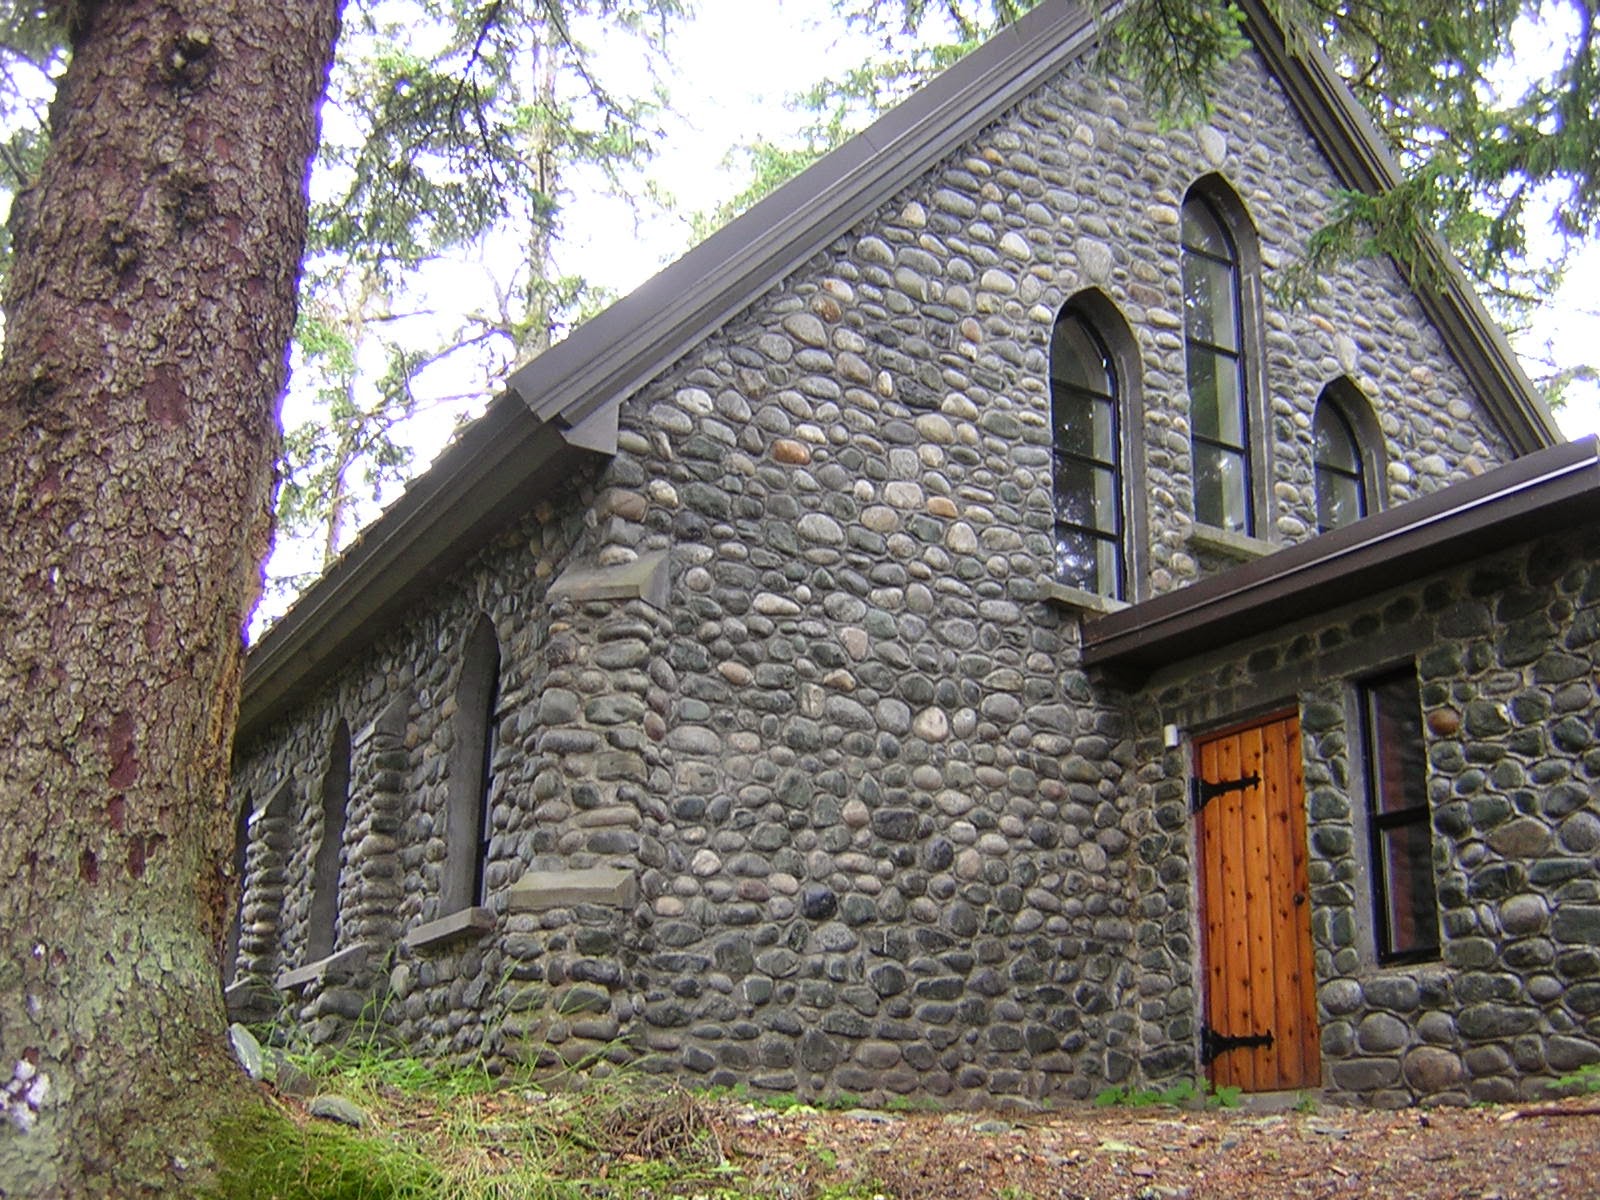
x=560 y=411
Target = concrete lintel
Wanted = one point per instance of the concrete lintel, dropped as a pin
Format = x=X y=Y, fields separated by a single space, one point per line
x=539 y=891
x=463 y=922
x=645 y=578
x=346 y=962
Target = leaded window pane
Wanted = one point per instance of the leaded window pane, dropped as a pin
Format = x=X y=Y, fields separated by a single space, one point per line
x=1411 y=906
x=1214 y=393
x=1077 y=558
x=1339 y=500
x=1085 y=426
x=1335 y=443
x=1340 y=474
x=1202 y=230
x=1220 y=488
x=1394 y=709
x=1218 y=415
x=1210 y=305
x=1077 y=360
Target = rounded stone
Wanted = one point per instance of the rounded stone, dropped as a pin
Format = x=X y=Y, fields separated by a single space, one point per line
x=1340 y=996
x=817 y=903
x=787 y=450
x=1431 y=1069
x=1580 y=833
x=1525 y=914
x=1380 y=1033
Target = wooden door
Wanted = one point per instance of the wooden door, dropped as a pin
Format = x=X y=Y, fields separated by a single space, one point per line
x=1260 y=1005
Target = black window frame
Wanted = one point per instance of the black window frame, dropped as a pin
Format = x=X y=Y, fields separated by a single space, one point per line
x=1238 y=354
x=1109 y=529
x=1387 y=822
x=1328 y=406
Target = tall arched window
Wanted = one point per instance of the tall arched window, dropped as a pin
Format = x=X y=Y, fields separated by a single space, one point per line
x=1085 y=403
x=1218 y=375
x=1344 y=450
x=468 y=822
x=322 y=921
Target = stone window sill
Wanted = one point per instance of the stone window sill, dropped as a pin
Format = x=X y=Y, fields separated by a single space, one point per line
x=540 y=891
x=1078 y=600
x=1232 y=545
x=463 y=923
x=345 y=962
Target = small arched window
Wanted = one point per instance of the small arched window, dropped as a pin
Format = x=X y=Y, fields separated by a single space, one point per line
x=1341 y=492
x=1218 y=374
x=468 y=823
x=1085 y=408
x=1344 y=456
x=322 y=921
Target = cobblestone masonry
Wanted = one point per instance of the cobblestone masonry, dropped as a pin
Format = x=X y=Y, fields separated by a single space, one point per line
x=1507 y=656
x=881 y=832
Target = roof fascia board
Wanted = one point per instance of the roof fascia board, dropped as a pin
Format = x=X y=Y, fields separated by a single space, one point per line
x=499 y=465
x=620 y=350
x=1362 y=161
x=1469 y=519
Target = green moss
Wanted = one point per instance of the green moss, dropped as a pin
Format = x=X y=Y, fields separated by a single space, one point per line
x=262 y=1155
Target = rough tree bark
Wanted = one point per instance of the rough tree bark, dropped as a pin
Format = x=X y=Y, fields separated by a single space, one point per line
x=146 y=324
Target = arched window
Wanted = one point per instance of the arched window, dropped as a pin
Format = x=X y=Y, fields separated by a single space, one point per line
x=1215 y=340
x=468 y=822
x=1341 y=493
x=1085 y=408
x=1344 y=451
x=322 y=920
x=241 y=856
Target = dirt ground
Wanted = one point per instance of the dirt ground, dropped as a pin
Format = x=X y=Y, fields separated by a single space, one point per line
x=1500 y=1153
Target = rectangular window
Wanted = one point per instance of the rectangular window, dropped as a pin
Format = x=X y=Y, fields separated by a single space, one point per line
x=1405 y=904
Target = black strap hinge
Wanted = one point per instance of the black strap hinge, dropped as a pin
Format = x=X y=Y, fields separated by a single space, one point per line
x=1203 y=791
x=1214 y=1044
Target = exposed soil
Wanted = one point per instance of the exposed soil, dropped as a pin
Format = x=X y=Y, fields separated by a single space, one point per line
x=1500 y=1153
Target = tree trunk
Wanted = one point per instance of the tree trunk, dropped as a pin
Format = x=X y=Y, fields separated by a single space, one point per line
x=147 y=319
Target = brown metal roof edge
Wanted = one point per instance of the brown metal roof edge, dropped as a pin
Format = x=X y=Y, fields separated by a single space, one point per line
x=622 y=348
x=1461 y=522
x=1363 y=163
x=496 y=466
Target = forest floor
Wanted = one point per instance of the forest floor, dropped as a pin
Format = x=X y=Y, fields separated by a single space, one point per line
x=1498 y=1153
x=424 y=1136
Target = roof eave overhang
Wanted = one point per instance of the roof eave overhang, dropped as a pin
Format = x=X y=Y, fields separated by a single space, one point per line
x=1535 y=494
x=497 y=468
x=1363 y=163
